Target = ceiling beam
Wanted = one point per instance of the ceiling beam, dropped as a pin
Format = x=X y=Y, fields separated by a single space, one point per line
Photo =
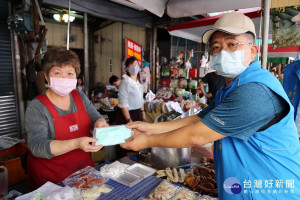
x=106 y=9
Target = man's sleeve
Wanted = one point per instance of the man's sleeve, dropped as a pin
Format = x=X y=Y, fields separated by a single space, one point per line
x=244 y=111
x=207 y=109
x=205 y=78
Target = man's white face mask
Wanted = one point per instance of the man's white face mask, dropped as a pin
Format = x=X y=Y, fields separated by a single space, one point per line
x=229 y=64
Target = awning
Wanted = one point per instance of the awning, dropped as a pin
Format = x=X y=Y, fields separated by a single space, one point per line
x=283 y=52
x=181 y=8
x=194 y=30
x=106 y=9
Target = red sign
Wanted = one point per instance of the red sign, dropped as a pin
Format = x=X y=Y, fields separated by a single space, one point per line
x=133 y=49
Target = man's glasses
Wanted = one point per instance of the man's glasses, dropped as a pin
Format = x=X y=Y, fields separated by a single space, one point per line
x=229 y=46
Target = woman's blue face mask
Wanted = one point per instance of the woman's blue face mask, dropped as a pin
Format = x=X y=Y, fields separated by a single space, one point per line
x=134 y=70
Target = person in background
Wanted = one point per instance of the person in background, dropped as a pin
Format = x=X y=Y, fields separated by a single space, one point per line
x=112 y=89
x=131 y=103
x=251 y=121
x=274 y=71
x=215 y=82
x=79 y=84
x=114 y=80
x=58 y=123
x=130 y=99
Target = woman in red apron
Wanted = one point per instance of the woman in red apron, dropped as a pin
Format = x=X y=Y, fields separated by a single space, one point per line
x=64 y=144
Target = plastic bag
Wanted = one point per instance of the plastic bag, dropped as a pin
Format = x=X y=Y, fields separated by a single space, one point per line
x=95 y=192
x=66 y=193
x=38 y=196
x=85 y=178
x=165 y=190
x=113 y=169
x=185 y=194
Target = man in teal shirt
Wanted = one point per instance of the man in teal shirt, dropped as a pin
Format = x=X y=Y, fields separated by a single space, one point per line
x=256 y=149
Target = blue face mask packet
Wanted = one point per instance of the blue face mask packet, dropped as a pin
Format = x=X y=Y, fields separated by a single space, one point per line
x=112 y=135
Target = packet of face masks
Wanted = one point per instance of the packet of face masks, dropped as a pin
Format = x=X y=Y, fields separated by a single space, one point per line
x=112 y=135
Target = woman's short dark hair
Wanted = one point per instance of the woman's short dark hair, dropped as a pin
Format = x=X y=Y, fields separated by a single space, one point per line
x=130 y=60
x=113 y=79
x=59 y=56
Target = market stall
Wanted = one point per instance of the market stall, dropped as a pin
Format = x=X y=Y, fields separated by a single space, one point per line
x=131 y=182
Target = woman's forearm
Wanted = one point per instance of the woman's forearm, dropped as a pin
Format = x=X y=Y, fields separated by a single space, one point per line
x=59 y=147
x=126 y=114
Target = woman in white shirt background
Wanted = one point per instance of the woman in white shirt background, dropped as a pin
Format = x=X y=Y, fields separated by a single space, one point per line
x=131 y=103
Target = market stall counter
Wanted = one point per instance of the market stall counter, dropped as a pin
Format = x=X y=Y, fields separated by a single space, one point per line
x=117 y=180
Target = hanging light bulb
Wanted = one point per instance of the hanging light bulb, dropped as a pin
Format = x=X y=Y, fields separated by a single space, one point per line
x=71 y=18
x=65 y=18
x=57 y=17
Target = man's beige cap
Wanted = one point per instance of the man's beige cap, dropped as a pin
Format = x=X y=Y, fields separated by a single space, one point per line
x=232 y=23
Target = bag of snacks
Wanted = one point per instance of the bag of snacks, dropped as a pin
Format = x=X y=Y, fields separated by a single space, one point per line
x=85 y=178
x=95 y=192
x=165 y=190
x=185 y=194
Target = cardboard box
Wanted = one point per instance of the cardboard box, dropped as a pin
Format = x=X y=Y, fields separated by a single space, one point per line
x=11 y=159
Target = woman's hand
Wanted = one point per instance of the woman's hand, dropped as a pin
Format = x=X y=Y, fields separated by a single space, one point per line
x=100 y=123
x=86 y=144
x=140 y=127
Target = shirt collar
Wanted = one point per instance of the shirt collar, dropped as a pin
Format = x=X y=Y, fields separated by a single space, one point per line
x=130 y=80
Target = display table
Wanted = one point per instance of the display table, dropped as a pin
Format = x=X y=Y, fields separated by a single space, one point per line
x=120 y=191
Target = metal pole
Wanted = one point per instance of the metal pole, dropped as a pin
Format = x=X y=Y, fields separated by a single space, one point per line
x=17 y=77
x=154 y=61
x=86 y=56
x=259 y=36
x=265 y=33
x=19 y=84
x=40 y=13
x=68 y=32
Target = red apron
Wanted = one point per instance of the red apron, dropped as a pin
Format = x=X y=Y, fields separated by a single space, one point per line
x=56 y=169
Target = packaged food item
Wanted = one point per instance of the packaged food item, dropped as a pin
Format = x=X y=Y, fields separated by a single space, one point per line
x=66 y=193
x=206 y=197
x=165 y=190
x=113 y=169
x=112 y=135
x=184 y=194
x=203 y=180
x=175 y=175
x=38 y=196
x=141 y=170
x=85 y=178
x=134 y=174
x=127 y=178
x=95 y=192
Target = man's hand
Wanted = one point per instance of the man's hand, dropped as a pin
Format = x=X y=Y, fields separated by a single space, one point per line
x=208 y=95
x=100 y=123
x=140 y=127
x=136 y=142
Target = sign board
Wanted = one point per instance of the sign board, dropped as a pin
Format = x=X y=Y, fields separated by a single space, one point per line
x=286 y=26
x=133 y=49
